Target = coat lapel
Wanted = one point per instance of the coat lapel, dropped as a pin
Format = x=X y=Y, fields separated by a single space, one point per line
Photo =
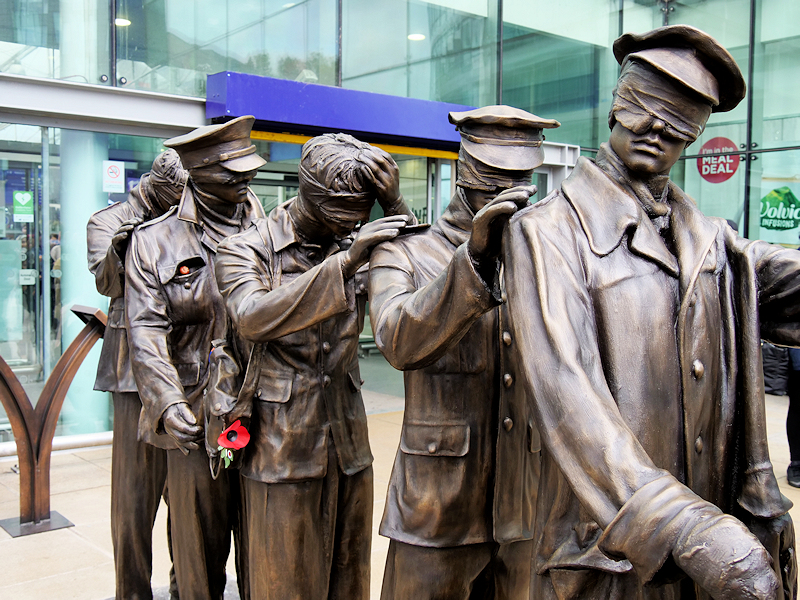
x=694 y=235
x=607 y=213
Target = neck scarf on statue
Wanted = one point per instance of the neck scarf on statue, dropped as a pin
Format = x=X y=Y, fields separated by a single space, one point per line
x=651 y=194
x=643 y=94
x=215 y=224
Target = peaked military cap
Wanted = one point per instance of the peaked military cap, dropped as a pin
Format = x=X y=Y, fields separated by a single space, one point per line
x=227 y=144
x=502 y=136
x=691 y=57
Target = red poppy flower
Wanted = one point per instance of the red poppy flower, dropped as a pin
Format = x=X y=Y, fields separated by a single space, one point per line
x=236 y=436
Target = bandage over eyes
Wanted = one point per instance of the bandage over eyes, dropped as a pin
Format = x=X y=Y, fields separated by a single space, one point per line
x=643 y=95
x=473 y=174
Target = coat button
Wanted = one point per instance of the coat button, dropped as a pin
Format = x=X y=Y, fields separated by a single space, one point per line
x=187 y=285
x=508 y=380
x=698 y=444
x=506 y=338
x=698 y=369
x=326 y=381
x=508 y=423
x=218 y=407
x=326 y=347
x=312 y=256
x=431 y=447
x=258 y=393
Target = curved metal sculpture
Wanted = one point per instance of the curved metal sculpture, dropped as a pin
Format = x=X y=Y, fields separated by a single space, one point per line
x=34 y=428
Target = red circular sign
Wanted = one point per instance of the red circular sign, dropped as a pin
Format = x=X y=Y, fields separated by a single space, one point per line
x=716 y=164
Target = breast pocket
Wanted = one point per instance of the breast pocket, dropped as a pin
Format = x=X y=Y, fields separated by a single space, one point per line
x=188 y=289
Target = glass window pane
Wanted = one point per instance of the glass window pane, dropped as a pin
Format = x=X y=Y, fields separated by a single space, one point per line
x=557 y=63
x=171 y=46
x=442 y=50
x=32 y=44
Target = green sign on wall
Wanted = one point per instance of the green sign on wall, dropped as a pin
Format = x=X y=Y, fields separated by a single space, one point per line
x=23 y=206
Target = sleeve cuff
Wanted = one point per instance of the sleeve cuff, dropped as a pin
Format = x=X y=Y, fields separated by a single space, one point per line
x=647 y=526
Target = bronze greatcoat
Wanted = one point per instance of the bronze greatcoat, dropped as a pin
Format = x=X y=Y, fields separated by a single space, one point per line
x=643 y=366
x=467 y=469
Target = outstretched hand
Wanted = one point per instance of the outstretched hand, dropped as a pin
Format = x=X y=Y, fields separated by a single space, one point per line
x=490 y=221
x=369 y=236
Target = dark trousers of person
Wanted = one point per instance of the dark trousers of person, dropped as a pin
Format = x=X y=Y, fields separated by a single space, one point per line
x=138 y=474
x=311 y=539
x=473 y=572
x=793 y=416
x=202 y=516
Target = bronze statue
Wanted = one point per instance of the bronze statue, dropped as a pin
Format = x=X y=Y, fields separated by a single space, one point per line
x=638 y=321
x=298 y=297
x=174 y=312
x=460 y=506
x=138 y=470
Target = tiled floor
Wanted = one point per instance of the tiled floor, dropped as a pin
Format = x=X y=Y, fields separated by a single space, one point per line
x=77 y=562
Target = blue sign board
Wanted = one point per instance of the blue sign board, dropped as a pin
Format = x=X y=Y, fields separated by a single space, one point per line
x=310 y=109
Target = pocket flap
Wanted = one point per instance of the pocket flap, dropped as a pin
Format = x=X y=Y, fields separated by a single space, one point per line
x=273 y=389
x=435 y=440
x=192 y=263
x=188 y=373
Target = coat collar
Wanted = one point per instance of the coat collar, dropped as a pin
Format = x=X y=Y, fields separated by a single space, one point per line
x=281 y=227
x=456 y=221
x=607 y=213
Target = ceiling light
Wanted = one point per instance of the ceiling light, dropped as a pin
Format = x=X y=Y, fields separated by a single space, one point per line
x=289 y=5
x=120 y=22
x=416 y=37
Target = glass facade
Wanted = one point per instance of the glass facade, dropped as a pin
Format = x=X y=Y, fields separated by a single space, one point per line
x=551 y=58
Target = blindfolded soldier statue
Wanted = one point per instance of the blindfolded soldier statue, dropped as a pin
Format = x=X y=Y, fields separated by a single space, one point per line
x=294 y=292
x=460 y=506
x=638 y=319
x=174 y=312
x=138 y=469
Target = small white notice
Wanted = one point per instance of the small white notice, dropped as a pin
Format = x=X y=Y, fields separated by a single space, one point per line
x=114 y=176
x=28 y=276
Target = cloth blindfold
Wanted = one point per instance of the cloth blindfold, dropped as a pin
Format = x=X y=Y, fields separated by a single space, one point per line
x=347 y=205
x=643 y=95
x=473 y=174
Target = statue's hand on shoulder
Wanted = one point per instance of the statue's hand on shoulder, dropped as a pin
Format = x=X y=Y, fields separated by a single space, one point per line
x=490 y=222
x=122 y=236
x=369 y=236
x=721 y=555
x=180 y=424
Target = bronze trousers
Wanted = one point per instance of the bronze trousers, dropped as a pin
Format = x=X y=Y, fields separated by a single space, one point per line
x=202 y=516
x=311 y=539
x=473 y=572
x=138 y=474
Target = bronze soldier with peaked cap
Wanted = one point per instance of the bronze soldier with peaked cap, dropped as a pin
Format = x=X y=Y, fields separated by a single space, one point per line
x=460 y=506
x=640 y=320
x=138 y=469
x=174 y=312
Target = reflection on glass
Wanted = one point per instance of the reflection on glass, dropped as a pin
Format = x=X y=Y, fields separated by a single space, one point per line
x=426 y=50
x=172 y=46
x=33 y=43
